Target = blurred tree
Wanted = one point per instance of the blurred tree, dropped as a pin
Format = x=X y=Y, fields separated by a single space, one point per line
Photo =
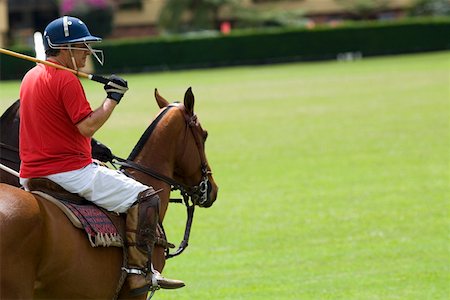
x=251 y=18
x=187 y=15
x=96 y=14
x=363 y=9
x=430 y=8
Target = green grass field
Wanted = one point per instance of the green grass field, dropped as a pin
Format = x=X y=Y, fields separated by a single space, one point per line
x=334 y=177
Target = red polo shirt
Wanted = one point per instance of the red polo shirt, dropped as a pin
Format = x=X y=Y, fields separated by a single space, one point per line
x=52 y=102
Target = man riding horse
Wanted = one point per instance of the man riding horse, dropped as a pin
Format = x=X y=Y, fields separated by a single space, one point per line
x=56 y=127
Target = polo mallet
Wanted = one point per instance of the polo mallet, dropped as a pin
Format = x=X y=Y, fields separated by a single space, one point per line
x=93 y=77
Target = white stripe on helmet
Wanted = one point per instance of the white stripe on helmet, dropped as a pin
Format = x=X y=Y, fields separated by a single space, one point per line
x=66 y=26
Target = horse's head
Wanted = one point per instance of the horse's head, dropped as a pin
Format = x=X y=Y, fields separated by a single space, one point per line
x=191 y=165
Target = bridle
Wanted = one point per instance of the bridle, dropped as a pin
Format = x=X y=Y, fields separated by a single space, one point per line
x=192 y=195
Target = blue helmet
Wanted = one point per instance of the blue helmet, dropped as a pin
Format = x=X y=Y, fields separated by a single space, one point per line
x=65 y=31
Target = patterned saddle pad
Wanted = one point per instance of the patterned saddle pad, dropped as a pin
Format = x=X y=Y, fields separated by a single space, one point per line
x=98 y=226
x=96 y=222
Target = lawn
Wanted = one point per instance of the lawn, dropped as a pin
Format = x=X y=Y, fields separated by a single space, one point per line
x=334 y=177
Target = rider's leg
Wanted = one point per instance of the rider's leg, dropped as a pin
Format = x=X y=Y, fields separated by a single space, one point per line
x=142 y=219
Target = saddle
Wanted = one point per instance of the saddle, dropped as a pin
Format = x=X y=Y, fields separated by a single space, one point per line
x=103 y=228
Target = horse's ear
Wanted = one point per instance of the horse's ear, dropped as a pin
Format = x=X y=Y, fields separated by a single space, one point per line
x=160 y=100
x=189 y=100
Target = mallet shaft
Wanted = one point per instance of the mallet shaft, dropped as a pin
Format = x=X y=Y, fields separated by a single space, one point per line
x=93 y=77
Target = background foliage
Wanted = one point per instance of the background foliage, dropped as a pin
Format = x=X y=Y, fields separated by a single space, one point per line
x=431 y=8
x=260 y=46
x=98 y=15
x=283 y=44
x=189 y=15
x=363 y=9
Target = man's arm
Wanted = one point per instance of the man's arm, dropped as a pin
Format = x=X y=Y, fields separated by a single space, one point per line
x=97 y=118
x=115 y=89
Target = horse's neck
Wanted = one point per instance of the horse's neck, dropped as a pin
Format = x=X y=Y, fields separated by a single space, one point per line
x=160 y=160
x=159 y=151
x=159 y=154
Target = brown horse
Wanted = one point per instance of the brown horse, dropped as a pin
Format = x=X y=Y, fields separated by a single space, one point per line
x=43 y=256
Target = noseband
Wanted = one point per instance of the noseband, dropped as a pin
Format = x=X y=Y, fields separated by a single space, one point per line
x=192 y=195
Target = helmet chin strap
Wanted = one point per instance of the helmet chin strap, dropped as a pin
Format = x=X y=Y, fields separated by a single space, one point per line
x=75 y=67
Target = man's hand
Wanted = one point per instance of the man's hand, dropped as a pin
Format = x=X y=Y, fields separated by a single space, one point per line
x=116 y=88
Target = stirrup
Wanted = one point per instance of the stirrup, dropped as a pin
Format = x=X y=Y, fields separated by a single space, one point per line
x=147 y=288
x=152 y=288
x=134 y=271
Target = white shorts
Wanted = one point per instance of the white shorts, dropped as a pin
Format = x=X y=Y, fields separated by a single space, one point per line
x=107 y=188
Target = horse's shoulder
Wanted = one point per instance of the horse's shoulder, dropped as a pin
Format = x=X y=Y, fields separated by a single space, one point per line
x=12 y=195
x=20 y=208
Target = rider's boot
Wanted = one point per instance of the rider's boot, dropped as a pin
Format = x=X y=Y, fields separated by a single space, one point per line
x=141 y=222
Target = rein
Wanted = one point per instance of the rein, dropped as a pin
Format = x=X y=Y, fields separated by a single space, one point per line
x=194 y=193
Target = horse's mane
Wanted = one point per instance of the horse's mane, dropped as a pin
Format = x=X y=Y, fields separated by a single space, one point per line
x=145 y=136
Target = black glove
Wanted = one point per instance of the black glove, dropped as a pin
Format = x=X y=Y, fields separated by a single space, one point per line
x=116 y=88
x=101 y=152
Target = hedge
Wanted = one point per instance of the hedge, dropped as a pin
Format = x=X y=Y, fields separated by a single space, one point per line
x=15 y=68
x=265 y=46
x=256 y=47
